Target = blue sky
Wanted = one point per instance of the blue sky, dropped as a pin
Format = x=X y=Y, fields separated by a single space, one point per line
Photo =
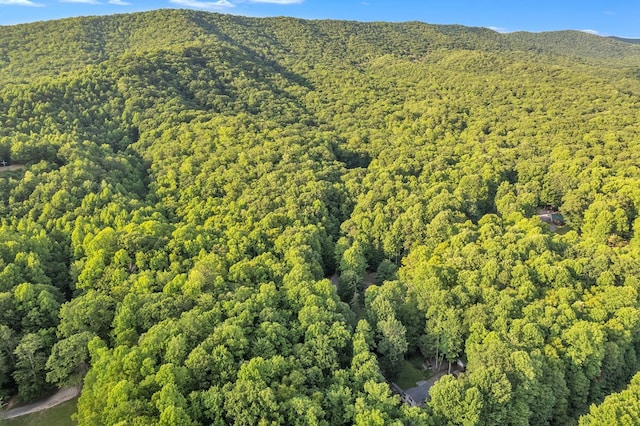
x=612 y=17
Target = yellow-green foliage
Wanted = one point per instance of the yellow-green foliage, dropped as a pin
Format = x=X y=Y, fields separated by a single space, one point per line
x=190 y=179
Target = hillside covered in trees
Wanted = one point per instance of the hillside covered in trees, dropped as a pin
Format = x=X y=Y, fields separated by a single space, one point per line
x=185 y=183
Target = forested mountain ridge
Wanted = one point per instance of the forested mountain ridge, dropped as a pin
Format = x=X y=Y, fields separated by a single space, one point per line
x=626 y=40
x=190 y=180
x=48 y=48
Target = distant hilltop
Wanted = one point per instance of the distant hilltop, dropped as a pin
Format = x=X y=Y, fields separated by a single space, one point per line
x=50 y=47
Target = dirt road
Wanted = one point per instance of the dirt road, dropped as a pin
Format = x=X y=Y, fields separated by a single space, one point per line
x=59 y=397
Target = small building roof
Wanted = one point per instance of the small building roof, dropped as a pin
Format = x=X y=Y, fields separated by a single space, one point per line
x=419 y=393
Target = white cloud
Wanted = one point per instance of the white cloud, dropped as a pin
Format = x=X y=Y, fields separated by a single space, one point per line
x=81 y=1
x=226 y=4
x=20 y=3
x=277 y=1
x=499 y=29
x=207 y=5
x=594 y=32
x=119 y=2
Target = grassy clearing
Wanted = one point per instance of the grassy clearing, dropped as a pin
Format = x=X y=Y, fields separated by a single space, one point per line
x=59 y=415
x=417 y=361
x=410 y=375
x=562 y=229
x=10 y=168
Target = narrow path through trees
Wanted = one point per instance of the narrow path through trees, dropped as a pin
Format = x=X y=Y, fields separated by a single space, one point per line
x=63 y=395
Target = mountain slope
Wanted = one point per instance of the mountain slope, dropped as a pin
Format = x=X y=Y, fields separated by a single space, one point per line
x=47 y=48
x=183 y=190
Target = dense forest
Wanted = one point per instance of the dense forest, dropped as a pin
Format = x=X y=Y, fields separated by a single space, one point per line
x=178 y=187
